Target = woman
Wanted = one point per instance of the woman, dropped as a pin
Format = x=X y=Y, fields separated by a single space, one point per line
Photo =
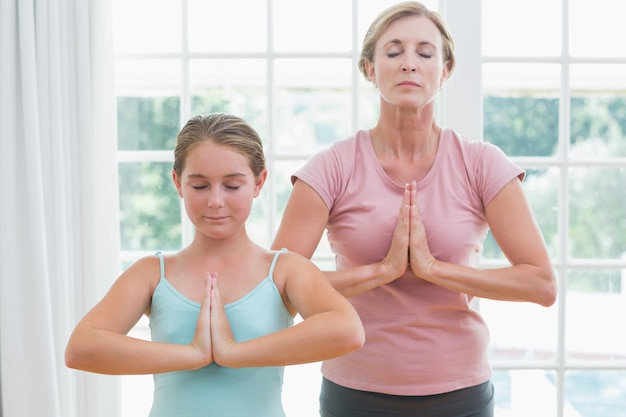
x=221 y=310
x=406 y=206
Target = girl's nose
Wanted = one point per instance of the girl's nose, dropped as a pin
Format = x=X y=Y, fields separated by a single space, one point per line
x=215 y=199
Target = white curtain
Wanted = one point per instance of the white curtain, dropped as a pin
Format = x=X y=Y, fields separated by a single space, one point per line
x=58 y=200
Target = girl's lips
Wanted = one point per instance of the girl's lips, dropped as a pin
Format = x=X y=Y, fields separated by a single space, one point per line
x=215 y=219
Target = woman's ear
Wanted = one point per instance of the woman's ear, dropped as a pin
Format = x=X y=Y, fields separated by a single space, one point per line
x=176 y=180
x=371 y=73
x=445 y=73
x=260 y=180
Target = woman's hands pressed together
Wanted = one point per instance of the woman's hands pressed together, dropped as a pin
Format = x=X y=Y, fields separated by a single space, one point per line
x=420 y=258
x=409 y=247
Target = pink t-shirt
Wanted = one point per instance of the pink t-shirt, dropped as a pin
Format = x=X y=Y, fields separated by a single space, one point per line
x=421 y=339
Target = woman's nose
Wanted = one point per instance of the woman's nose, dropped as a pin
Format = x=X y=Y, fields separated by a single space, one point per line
x=408 y=65
x=408 y=68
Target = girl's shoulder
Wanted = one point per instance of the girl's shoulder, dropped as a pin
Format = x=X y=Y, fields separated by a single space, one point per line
x=288 y=264
x=148 y=268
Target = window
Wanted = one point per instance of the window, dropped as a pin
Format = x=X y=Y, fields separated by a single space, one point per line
x=541 y=79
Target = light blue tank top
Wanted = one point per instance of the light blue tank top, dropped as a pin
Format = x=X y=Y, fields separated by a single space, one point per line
x=215 y=391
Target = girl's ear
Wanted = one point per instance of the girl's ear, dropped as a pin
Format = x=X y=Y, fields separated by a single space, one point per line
x=176 y=180
x=260 y=180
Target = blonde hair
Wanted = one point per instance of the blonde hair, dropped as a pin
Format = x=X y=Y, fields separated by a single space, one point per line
x=223 y=129
x=399 y=11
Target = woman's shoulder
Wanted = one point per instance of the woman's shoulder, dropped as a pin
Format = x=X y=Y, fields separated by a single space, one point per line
x=468 y=148
x=349 y=144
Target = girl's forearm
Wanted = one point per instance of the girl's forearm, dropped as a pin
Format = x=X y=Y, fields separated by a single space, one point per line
x=319 y=337
x=106 y=352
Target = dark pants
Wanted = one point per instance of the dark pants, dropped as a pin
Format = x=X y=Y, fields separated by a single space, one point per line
x=338 y=401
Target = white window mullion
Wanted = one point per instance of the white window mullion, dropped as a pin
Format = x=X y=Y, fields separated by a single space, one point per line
x=461 y=98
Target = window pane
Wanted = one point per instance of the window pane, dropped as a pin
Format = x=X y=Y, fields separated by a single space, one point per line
x=218 y=26
x=596 y=393
x=596 y=306
x=521 y=108
x=237 y=86
x=147 y=77
x=147 y=122
x=283 y=169
x=313 y=103
x=520 y=331
x=525 y=393
x=147 y=26
x=137 y=390
x=597 y=219
x=597 y=28
x=368 y=105
x=149 y=207
x=258 y=224
x=368 y=10
x=598 y=111
x=296 y=21
x=541 y=187
x=528 y=28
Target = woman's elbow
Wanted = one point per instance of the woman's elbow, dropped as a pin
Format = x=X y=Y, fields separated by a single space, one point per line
x=547 y=294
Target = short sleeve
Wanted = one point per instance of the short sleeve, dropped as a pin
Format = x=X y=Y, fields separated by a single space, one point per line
x=326 y=172
x=493 y=170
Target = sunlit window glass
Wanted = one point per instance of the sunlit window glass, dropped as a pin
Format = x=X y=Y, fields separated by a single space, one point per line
x=597 y=28
x=227 y=26
x=521 y=108
x=313 y=103
x=521 y=28
x=147 y=26
x=598 y=110
x=595 y=296
x=236 y=86
x=597 y=220
x=312 y=26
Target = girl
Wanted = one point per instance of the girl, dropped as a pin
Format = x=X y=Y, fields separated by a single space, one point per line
x=221 y=310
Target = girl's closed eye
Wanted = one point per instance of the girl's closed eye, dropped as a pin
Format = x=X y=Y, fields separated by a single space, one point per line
x=232 y=187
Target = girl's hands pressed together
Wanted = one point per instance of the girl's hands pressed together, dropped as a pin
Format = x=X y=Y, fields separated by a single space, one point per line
x=222 y=338
x=202 y=338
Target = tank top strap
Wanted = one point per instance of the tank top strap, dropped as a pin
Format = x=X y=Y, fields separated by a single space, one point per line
x=161 y=263
x=271 y=273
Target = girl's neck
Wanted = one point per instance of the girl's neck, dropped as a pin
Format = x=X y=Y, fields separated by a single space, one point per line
x=236 y=245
